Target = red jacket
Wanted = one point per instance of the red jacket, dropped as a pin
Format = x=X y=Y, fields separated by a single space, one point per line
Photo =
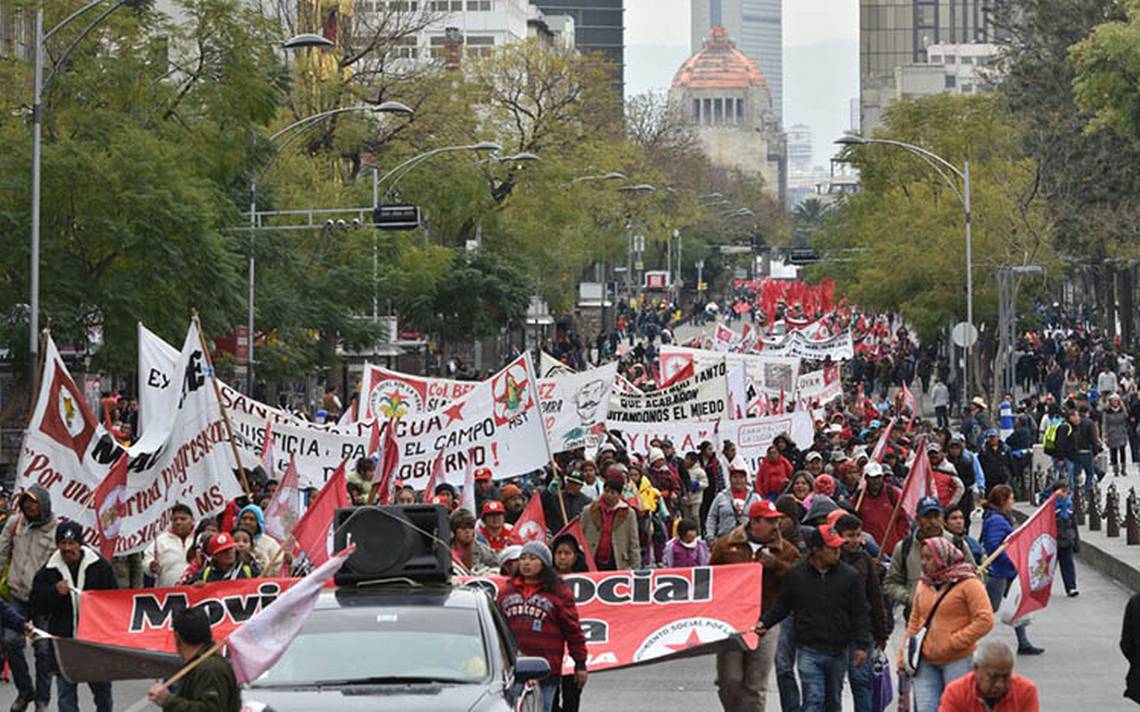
x=876 y=515
x=962 y=696
x=772 y=477
x=544 y=623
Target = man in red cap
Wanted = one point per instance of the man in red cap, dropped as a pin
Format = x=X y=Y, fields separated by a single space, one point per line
x=223 y=564
x=484 y=487
x=493 y=525
x=831 y=617
x=741 y=674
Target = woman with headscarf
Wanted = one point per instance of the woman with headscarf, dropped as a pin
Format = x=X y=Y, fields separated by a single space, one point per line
x=963 y=618
x=265 y=547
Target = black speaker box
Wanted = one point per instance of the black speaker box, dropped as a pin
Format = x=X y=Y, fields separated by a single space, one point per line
x=409 y=541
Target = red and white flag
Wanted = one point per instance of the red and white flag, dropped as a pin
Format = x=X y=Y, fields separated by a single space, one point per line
x=284 y=509
x=312 y=530
x=919 y=482
x=1032 y=548
x=110 y=500
x=434 y=478
x=909 y=401
x=387 y=462
x=267 y=451
x=467 y=499
x=884 y=437
x=531 y=524
x=260 y=642
x=574 y=529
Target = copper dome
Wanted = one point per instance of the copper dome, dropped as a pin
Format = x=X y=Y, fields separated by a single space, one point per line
x=719 y=65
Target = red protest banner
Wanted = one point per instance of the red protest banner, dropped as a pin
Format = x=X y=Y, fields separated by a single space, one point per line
x=629 y=617
x=635 y=617
x=140 y=618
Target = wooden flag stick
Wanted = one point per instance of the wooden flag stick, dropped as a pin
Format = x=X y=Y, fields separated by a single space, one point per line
x=221 y=405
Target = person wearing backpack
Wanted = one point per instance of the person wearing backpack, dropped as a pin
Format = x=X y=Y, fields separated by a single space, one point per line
x=1060 y=444
x=906 y=559
x=950 y=614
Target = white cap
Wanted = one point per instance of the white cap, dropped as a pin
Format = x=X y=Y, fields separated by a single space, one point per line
x=873 y=469
x=510 y=553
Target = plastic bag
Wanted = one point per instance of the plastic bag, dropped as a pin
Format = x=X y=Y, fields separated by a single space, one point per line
x=882 y=691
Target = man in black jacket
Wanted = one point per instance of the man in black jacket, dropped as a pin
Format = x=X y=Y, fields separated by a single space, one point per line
x=996 y=460
x=853 y=554
x=72 y=569
x=831 y=619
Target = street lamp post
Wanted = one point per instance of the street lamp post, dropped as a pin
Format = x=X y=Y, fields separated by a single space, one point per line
x=938 y=163
x=296 y=128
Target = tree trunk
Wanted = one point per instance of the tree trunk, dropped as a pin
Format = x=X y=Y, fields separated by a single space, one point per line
x=1127 y=310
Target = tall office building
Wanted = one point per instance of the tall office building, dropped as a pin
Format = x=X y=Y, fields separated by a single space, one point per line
x=897 y=33
x=756 y=27
x=599 y=26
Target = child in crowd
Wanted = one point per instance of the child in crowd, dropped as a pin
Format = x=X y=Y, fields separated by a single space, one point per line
x=687 y=548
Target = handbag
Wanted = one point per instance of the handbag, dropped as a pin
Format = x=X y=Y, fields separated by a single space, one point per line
x=913 y=656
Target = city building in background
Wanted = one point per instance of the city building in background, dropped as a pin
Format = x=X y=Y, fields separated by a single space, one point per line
x=599 y=26
x=756 y=26
x=724 y=96
x=900 y=33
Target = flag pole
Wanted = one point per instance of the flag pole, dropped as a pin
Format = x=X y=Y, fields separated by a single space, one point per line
x=221 y=405
x=890 y=525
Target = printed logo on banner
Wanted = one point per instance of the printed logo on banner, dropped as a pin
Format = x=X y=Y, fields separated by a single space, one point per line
x=509 y=388
x=68 y=420
x=778 y=376
x=1042 y=558
x=681 y=635
x=395 y=398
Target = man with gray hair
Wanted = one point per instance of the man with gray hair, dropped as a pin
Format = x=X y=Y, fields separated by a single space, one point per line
x=991 y=686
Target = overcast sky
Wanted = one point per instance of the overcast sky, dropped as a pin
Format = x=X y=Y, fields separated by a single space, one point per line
x=821 y=63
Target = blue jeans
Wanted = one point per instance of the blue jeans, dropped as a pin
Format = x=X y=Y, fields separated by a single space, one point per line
x=860 y=679
x=996 y=589
x=786 y=669
x=821 y=675
x=69 y=695
x=931 y=680
x=13 y=642
x=1065 y=468
x=1083 y=461
x=547 y=686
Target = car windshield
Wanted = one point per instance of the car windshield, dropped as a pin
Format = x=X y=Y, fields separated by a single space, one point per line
x=377 y=645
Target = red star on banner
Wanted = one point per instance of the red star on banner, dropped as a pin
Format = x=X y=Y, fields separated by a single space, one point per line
x=454 y=413
x=691 y=642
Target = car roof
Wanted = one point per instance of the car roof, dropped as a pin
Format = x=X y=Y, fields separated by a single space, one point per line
x=400 y=595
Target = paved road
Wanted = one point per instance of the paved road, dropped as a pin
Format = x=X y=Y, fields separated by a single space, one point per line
x=1081 y=669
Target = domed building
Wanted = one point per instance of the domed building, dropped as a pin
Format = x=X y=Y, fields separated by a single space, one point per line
x=723 y=95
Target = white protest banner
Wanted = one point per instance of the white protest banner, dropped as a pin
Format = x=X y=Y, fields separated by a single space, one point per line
x=769 y=373
x=158 y=392
x=752 y=436
x=822 y=386
x=704 y=396
x=798 y=343
x=549 y=366
x=575 y=407
x=69 y=453
x=391 y=394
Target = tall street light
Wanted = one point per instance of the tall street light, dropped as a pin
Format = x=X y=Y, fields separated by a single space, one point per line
x=290 y=134
x=940 y=166
x=40 y=86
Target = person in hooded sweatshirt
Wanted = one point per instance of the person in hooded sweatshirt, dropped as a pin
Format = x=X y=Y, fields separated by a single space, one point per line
x=26 y=544
x=71 y=570
x=265 y=547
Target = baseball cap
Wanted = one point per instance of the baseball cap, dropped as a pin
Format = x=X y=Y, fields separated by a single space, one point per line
x=765 y=509
x=928 y=504
x=69 y=531
x=957 y=439
x=509 y=491
x=220 y=542
x=874 y=424
x=992 y=433
x=482 y=473
x=493 y=506
x=575 y=477
x=873 y=469
x=933 y=447
x=813 y=455
x=830 y=537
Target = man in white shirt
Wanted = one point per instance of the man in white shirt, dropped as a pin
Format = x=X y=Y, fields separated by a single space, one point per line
x=165 y=557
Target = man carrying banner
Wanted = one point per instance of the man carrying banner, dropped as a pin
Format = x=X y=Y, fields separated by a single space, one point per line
x=211 y=684
x=26 y=544
x=741 y=674
x=72 y=569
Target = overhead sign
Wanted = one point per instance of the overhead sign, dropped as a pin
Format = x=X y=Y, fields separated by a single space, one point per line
x=396 y=217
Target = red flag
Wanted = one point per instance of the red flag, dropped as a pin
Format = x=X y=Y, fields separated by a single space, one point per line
x=674 y=371
x=1032 y=548
x=435 y=478
x=66 y=418
x=531 y=524
x=780 y=403
x=281 y=515
x=909 y=401
x=919 y=482
x=574 y=529
x=312 y=530
x=110 y=499
x=388 y=461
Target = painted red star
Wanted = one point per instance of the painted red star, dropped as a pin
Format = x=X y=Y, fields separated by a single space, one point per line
x=454 y=413
x=691 y=642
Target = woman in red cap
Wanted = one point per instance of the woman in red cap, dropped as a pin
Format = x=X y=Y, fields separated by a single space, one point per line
x=223 y=564
x=493 y=525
